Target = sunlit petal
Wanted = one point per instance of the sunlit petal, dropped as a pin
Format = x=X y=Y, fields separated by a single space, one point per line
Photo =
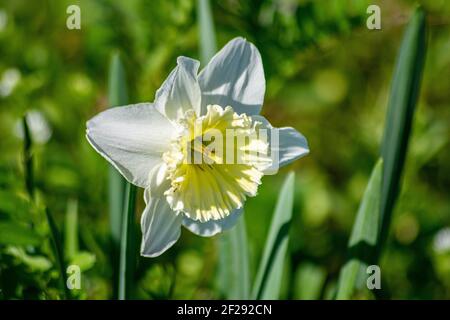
x=234 y=77
x=212 y=227
x=181 y=91
x=161 y=227
x=132 y=138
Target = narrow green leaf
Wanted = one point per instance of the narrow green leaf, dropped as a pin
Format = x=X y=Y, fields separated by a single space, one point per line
x=207 y=34
x=28 y=158
x=71 y=229
x=127 y=245
x=117 y=96
x=402 y=102
x=234 y=273
x=12 y=233
x=268 y=278
x=121 y=209
x=117 y=87
x=58 y=252
x=363 y=240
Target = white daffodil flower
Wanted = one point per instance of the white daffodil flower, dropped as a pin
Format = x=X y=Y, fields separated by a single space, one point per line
x=152 y=145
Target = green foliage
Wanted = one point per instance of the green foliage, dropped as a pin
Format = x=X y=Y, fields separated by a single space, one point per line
x=58 y=253
x=117 y=96
x=268 y=279
x=12 y=233
x=233 y=268
x=122 y=195
x=374 y=215
x=402 y=103
x=117 y=185
x=364 y=238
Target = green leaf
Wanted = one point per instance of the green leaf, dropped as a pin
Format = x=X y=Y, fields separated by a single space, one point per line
x=127 y=245
x=309 y=281
x=58 y=252
x=268 y=278
x=374 y=216
x=28 y=157
x=405 y=89
x=207 y=35
x=121 y=209
x=12 y=233
x=71 y=229
x=234 y=273
x=117 y=84
x=363 y=240
x=117 y=95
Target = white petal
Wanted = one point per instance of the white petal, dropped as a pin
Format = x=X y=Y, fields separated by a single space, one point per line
x=161 y=227
x=290 y=145
x=180 y=91
x=132 y=138
x=158 y=181
x=212 y=227
x=234 y=77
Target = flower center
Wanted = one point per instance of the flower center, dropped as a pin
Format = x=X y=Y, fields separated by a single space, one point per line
x=215 y=163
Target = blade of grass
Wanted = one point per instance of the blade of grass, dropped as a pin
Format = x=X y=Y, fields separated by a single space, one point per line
x=402 y=102
x=363 y=239
x=54 y=233
x=127 y=245
x=28 y=158
x=58 y=253
x=268 y=279
x=117 y=95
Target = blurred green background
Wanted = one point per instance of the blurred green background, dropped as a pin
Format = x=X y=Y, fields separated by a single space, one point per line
x=327 y=75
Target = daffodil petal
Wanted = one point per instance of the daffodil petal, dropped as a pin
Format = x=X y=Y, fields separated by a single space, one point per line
x=158 y=182
x=161 y=227
x=212 y=227
x=131 y=138
x=234 y=77
x=290 y=145
x=180 y=91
